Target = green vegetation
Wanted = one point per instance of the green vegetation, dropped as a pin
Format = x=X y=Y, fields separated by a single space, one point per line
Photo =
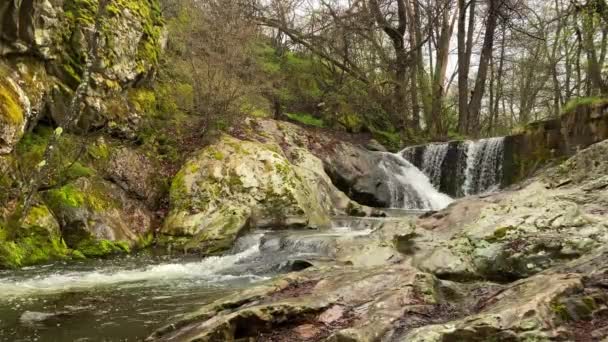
x=306 y=119
x=102 y=248
x=10 y=108
x=573 y=104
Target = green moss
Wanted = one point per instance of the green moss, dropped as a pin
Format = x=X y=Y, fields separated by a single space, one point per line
x=179 y=190
x=67 y=196
x=352 y=122
x=145 y=241
x=390 y=139
x=99 y=151
x=77 y=255
x=10 y=108
x=31 y=246
x=94 y=198
x=500 y=233
x=573 y=104
x=78 y=170
x=81 y=13
x=101 y=248
x=144 y=100
x=217 y=155
x=306 y=119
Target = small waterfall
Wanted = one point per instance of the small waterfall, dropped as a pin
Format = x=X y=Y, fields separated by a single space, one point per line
x=410 y=188
x=433 y=157
x=483 y=166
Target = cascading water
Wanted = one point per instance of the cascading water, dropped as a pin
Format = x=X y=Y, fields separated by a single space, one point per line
x=433 y=158
x=484 y=166
x=461 y=168
x=409 y=188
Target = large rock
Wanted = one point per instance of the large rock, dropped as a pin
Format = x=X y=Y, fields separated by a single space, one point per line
x=353 y=169
x=236 y=184
x=312 y=306
x=98 y=218
x=36 y=240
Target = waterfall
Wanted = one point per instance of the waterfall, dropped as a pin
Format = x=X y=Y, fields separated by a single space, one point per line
x=409 y=188
x=483 y=166
x=460 y=168
x=433 y=157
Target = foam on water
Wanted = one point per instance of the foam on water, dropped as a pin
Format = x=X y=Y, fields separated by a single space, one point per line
x=410 y=188
x=206 y=269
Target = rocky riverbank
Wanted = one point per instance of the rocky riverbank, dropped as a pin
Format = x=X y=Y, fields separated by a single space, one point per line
x=526 y=264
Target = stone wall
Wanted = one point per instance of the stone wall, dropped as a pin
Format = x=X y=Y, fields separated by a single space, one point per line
x=544 y=141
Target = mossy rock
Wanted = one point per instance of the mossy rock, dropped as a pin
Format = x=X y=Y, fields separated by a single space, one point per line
x=91 y=210
x=37 y=241
x=102 y=248
x=233 y=185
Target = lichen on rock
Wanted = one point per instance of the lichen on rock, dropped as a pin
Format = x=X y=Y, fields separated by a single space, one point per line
x=251 y=185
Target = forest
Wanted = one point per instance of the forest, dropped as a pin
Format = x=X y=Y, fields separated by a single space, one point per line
x=410 y=71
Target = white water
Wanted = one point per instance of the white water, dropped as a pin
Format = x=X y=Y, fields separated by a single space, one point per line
x=206 y=269
x=410 y=188
x=433 y=157
x=484 y=166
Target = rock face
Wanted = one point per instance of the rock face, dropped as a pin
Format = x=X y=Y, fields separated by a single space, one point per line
x=236 y=184
x=135 y=173
x=522 y=265
x=43 y=45
x=43 y=49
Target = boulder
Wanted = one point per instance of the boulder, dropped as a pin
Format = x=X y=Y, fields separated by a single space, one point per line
x=98 y=218
x=324 y=304
x=352 y=169
x=37 y=240
x=234 y=184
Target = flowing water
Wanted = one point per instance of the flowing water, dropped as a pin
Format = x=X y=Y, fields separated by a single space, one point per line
x=476 y=166
x=484 y=166
x=433 y=157
x=127 y=298
x=409 y=188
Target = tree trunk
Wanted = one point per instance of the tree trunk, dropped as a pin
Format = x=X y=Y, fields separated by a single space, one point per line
x=486 y=52
x=465 y=43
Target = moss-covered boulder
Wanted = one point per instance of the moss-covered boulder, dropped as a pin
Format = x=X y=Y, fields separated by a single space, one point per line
x=236 y=184
x=98 y=218
x=37 y=240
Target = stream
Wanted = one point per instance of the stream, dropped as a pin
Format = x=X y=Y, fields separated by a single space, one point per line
x=127 y=298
